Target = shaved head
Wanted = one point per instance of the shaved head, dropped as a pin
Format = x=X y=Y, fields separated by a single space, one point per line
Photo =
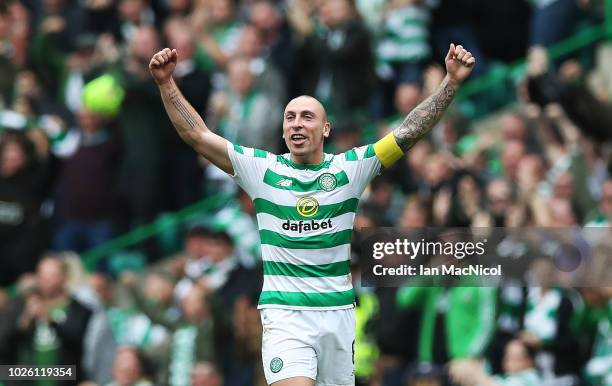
x=312 y=100
x=305 y=128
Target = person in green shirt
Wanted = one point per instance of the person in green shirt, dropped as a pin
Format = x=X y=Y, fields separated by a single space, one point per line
x=456 y=322
x=194 y=335
x=519 y=369
x=52 y=324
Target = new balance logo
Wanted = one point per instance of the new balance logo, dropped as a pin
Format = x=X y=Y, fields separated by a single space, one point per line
x=285 y=183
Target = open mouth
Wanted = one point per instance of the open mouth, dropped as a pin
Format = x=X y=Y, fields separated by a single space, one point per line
x=298 y=139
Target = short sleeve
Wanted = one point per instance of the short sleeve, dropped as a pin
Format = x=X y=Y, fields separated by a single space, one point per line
x=362 y=165
x=249 y=166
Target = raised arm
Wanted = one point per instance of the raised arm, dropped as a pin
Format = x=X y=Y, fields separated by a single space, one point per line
x=425 y=116
x=188 y=123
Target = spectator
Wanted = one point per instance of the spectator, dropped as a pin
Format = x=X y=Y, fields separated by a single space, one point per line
x=183 y=173
x=134 y=14
x=547 y=322
x=531 y=174
x=61 y=20
x=99 y=344
x=14 y=26
x=245 y=367
x=133 y=328
x=602 y=216
x=205 y=374
x=513 y=127
x=51 y=324
x=197 y=259
x=455 y=20
x=29 y=89
x=22 y=189
x=519 y=369
x=277 y=45
x=461 y=329
x=180 y=8
x=338 y=67
x=552 y=21
x=597 y=368
x=143 y=130
x=81 y=67
x=380 y=200
x=268 y=77
x=87 y=196
x=127 y=369
x=499 y=199
x=217 y=30
x=512 y=154
x=7 y=355
x=217 y=268
x=220 y=272
x=415 y=214
x=195 y=337
x=511 y=303
x=245 y=114
x=238 y=218
x=346 y=136
x=403 y=48
x=404 y=42
x=407 y=96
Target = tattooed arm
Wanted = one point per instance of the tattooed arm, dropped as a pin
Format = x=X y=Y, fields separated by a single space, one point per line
x=459 y=63
x=188 y=123
x=425 y=116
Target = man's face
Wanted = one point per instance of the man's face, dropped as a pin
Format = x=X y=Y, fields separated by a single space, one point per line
x=204 y=375
x=158 y=289
x=335 y=12
x=512 y=154
x=305 y=126
x=12 y=159
x=499 y=195
x=249 y=43
x=144 y=43
x=221 y=11
x=220 y=250
x=265 y=16
x=126 y=368
x=197 y=246
x=516 y=358
x=240 y=77
x=50 y=278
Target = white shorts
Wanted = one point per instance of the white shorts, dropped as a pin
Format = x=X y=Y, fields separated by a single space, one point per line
x=316 y=344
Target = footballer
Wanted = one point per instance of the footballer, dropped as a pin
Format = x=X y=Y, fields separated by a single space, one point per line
x=306 y=202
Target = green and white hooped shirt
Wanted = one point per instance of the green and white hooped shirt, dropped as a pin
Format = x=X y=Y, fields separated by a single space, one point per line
x=305 y=217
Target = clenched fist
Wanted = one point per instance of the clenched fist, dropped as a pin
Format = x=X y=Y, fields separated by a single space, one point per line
x=459 y=64
x=162 y=65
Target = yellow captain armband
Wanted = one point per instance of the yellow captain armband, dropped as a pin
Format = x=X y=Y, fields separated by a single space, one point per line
x=387 y=150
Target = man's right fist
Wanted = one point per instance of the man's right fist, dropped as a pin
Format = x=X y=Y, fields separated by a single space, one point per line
x=162 y=65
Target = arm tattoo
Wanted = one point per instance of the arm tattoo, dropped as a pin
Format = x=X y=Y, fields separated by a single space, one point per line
x=175 y=99
x=424 y=117
x=185 y=119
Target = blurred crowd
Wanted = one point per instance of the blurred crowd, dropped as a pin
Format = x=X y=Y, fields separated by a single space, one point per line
x=87 y=154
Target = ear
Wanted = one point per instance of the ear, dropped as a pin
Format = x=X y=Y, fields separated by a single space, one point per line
x=326 y=129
